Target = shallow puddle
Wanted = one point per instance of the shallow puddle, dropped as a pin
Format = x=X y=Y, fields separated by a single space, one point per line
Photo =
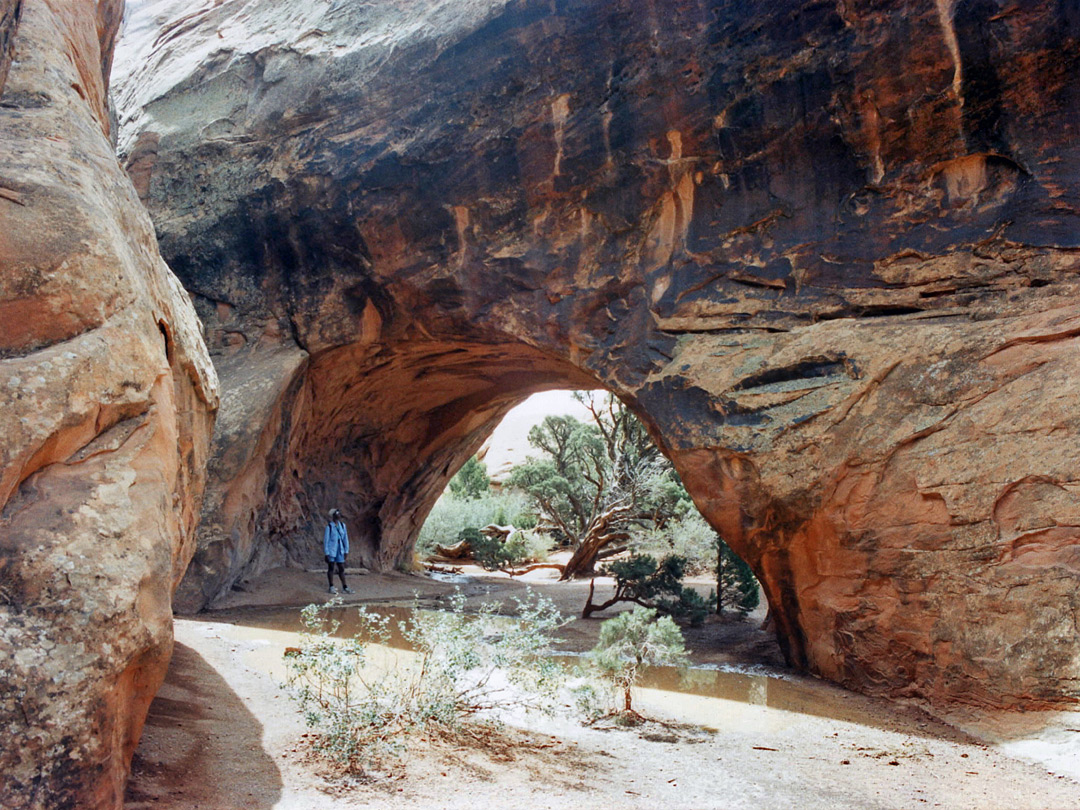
x=711 y=698
x=707 y=696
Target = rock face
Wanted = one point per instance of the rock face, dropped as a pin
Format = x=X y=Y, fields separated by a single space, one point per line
x=9 y=22
x=826 y=251
x=106 y=400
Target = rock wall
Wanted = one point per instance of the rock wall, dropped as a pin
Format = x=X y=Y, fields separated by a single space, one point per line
x=9 y=22
x=106 y=401
x=827 y=251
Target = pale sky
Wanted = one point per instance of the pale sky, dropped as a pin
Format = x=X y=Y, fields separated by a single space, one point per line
x=509 y=444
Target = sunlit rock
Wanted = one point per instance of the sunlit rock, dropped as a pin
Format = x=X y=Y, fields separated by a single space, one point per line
x=827 y=253
x=106 y=401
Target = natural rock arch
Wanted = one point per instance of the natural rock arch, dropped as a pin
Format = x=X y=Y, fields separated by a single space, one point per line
x=828 y=255
x=827 y=252
x=378 y=432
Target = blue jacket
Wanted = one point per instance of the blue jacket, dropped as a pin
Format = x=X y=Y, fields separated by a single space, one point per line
x=336 y=541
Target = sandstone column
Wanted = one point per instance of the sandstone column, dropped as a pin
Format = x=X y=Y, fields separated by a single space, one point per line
x=106 y=406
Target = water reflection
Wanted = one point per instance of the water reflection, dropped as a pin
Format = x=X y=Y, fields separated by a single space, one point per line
x=772 y=691
x=705 y=696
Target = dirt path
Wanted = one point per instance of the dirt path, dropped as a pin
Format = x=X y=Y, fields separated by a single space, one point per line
x=222 y=735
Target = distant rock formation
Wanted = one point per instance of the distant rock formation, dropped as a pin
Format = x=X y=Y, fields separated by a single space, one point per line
x=508 y=446
x=106 y=402
x=827 y=252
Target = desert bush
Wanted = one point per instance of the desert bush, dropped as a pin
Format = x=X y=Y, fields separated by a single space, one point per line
x=688 y=536
x=631 y=642
x=704 y=551
x=642 y=579
x=737 y=586
x=472 y=664
x=450 y=515
x=363 y=710
x=520 y=547
x=357 y=718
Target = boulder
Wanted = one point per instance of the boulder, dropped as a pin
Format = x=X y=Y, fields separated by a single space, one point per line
x=106 y=402
x=827 y=253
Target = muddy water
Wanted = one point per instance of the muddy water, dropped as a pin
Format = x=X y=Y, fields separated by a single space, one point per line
x=730 y=699
x=710 y=697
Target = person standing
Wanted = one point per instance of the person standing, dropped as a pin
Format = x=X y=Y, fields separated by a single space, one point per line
x=335 y=549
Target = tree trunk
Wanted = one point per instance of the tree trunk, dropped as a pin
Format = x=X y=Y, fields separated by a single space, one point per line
x=602 y=533
x=719 y=576
x=582 y=562
x=458 y=551
x=591 y=608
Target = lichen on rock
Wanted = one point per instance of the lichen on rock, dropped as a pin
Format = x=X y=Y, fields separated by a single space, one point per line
x=106 y=406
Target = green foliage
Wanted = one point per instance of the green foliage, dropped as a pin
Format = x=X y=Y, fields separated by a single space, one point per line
x=584 y=466
x=471 y=481
x=520 y=547
x=693 y=539
x=363 y=711
x=632 y=641
x=450 y=515
x=738 y=587
x=670 y=498
x=357 y=720
x=524 y=520
x=596 y=483
x=562 y=489
x=473 y=664
x=658 y=585
x=689 y=536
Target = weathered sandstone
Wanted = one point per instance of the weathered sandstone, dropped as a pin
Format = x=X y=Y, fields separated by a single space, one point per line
x=9 y=21
x=827 y=251
x=106 y=400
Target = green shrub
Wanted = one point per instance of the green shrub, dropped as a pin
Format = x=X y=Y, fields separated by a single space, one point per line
x=520 y=547
x=632 y=641
x=526 y=520
x=462 y=654
x=450 y=515
x=524 y=546
x=738 y=586
x=688 y=536
x=364 y=711
x=640 y=578
x=693 y=539
x=358 y=721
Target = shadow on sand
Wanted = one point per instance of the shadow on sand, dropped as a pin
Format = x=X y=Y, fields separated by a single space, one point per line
x=188 y=757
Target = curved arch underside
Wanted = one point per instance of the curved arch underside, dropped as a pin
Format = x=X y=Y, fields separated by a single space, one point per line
x=828 y=255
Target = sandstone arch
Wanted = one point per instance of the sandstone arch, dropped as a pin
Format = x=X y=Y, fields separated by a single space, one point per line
x=827 y=253
x=377 y=431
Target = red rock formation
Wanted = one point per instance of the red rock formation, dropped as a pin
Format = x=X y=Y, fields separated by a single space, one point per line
x=9 y=22
x=106 y=400
x=827 y=251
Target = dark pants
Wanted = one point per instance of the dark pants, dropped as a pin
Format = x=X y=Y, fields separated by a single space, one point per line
x=330 y=572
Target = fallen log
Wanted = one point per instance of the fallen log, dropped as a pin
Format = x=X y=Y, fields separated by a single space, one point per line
x=438 y=569
x=459 y=551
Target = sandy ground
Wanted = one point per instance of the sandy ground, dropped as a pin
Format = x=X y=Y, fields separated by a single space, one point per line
x=222 y=734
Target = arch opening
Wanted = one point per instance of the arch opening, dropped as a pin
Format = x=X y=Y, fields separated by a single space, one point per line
x=860 y=385
x=570 y=481
x=378 y=434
